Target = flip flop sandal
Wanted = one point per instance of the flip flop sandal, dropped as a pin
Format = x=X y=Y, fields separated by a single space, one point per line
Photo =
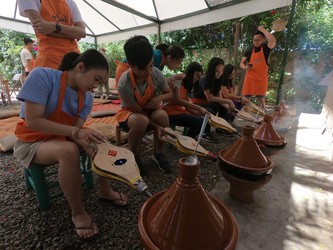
x=90 y=227
x=117 y=201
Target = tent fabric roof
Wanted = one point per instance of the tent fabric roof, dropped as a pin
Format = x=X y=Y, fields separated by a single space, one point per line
x=114 y=20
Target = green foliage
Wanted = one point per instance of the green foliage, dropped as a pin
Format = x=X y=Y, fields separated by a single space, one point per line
x=314 y=4
x=11 y=44
x=115 y=52
x=311 y=37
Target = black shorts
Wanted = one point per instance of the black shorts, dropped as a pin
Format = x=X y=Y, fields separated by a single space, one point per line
x=124 y=125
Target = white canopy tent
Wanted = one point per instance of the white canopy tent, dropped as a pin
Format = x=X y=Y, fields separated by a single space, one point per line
x=114 y=20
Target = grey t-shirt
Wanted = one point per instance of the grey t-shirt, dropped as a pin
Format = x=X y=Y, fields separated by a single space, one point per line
x=126 y=91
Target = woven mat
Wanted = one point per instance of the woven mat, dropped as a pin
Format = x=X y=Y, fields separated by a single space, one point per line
x=7 y=125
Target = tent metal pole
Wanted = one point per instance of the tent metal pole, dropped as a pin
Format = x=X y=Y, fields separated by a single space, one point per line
x=158 y=34
x=285 y=55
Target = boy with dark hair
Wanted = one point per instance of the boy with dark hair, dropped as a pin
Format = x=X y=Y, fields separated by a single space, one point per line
x=27 y=57
x=140 y=104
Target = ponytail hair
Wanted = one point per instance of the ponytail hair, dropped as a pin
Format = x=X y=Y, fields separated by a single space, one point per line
x=92 y=59
x=162 y=47
x=175 y=51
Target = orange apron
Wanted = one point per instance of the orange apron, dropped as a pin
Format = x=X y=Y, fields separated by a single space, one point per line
x=123 y=114
x=24 y=133
x=121 y=68
x=52 y=49
x=256 y=79
x=173 y=109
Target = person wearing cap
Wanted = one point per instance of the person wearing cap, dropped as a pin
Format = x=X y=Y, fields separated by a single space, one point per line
x=255 y=62
x=58 y=26
x=27 y=57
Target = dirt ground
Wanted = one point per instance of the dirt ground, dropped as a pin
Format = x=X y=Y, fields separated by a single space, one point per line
x=293 y=211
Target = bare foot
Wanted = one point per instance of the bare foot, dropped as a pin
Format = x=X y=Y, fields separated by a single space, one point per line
x=84 y=226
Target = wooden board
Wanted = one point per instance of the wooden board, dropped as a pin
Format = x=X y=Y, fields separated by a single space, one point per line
x=255 y=108
x=116 y=163
x=221 y=123
x=185 y=144
x=102 y=101
x=246 y=116
x=103 y=113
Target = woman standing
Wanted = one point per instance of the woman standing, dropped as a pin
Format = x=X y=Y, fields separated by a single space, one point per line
x=58 y=26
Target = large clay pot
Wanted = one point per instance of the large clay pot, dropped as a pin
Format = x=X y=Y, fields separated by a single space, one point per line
x=265 y=134
x=245 y=155
x=245 y=167
x=185 y=216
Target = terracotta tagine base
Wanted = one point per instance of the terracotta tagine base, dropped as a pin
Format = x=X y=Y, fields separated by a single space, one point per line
x=242 y=189
x=185 y=216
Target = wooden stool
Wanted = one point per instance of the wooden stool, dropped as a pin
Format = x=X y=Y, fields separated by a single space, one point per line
x=118 y=135
x=39 y=181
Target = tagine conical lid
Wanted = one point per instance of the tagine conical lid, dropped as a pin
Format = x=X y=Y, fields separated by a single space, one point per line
x=245 y=154
x=185 y=216
x=266 y=134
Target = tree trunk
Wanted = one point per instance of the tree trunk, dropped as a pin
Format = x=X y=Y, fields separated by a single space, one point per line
x=236 y=38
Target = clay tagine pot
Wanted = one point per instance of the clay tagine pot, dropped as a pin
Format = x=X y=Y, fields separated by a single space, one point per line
x=245 y=167
x=245 y=156
x=265 y=134
x=185 y=216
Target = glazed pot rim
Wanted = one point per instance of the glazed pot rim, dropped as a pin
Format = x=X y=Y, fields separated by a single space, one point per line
x=280 y=142
x=263 y=170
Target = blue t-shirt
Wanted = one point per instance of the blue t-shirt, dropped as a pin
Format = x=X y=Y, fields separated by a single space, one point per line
x=43 y=86
x=158 y=59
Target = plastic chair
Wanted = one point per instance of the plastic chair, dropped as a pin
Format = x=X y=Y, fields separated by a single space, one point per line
x=39 y=180
x=16 y=84
x=4 y=91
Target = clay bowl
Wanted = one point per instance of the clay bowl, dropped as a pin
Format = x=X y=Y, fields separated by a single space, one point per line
x=249 y=170
x=242 y=189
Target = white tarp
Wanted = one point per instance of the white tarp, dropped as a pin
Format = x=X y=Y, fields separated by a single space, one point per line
x=113 y=20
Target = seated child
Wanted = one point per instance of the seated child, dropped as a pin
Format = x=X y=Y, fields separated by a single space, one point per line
x=140 y=105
